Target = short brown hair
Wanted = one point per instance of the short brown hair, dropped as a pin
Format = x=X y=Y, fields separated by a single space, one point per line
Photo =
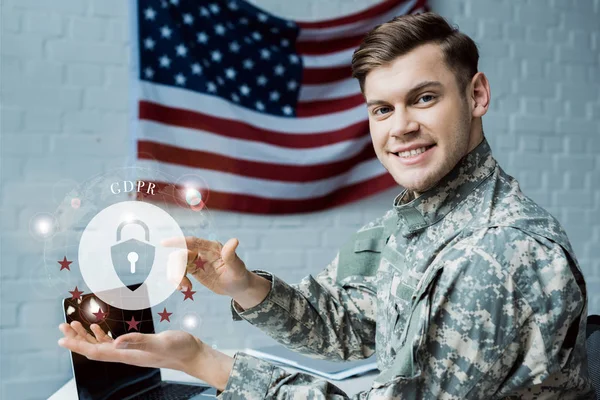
x=404 y=33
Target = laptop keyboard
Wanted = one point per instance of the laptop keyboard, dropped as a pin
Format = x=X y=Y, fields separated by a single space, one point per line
x=171 y=391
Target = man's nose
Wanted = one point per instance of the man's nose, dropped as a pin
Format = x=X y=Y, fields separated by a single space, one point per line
x=403 y=123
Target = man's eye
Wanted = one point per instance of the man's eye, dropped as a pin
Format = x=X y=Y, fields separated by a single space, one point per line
x=377 y=111
x=426 y=98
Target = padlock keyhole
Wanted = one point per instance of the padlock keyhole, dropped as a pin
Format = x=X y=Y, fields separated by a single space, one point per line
x=132 y=257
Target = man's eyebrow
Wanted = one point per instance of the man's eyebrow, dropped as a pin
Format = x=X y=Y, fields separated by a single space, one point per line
x=423 y=85
x=416 y=88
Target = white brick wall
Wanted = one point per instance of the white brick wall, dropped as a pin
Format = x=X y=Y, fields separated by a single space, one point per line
x=64 y=115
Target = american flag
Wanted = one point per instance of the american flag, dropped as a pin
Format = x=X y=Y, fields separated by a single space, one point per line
x=262 y=110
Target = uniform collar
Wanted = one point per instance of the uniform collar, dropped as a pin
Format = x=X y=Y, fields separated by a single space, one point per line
x=436 y=203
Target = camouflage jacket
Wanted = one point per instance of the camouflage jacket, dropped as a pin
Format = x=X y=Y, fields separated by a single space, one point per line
x=469 y=291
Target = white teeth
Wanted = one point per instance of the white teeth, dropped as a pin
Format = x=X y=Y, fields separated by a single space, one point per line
x=411 y=153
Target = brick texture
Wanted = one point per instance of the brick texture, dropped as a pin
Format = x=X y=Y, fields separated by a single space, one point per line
x=65 y=117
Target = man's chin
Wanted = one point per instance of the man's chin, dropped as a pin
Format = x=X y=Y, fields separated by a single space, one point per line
x=415 y=185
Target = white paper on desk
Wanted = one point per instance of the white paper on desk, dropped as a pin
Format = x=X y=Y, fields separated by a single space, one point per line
x=335 y=370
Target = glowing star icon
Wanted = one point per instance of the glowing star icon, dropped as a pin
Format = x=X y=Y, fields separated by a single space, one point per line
x=189 y=294
x=165 y=315
x=199 y=263
x=133 y=324
x=76 y=294
x=100 y=315
x=64 y=264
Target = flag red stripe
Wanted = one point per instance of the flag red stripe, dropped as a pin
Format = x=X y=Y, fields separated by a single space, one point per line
x=252 y=169
x=320 y=107
x=371 y=12
x=315 y=47
x=234 y=129
x=316 y=76
x=260 y=205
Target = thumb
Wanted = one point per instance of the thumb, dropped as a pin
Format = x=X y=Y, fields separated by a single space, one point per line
x=228 y=251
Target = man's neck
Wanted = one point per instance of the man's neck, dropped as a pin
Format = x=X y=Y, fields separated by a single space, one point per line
x=479 y=138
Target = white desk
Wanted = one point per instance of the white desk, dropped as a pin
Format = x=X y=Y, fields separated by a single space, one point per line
x=350 y=386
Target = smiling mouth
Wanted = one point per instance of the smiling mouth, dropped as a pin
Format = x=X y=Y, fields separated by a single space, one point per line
x=414 y=152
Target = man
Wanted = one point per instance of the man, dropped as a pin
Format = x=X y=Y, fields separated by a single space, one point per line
x=466 y=289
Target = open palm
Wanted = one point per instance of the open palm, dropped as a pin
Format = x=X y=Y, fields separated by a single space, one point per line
x=169 y=349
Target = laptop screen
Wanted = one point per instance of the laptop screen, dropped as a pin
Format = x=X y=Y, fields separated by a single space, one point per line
x=107 y=380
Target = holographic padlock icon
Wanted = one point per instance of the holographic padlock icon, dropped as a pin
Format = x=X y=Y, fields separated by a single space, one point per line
x=132 y=256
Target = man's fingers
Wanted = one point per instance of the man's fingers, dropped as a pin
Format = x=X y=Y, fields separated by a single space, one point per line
x=228 y=251
x=181 y=261
x=192 y=255
x=176 y=266
x=76 y=325
x=97 y=351
x=185 y=282
x=133 y=354
x=176 y=242
x=194 y=244
x=190 y=242
x=75 y=344
x=67 y=330
x=101 y=336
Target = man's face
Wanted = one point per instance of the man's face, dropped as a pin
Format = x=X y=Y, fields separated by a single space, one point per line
x=420 y=121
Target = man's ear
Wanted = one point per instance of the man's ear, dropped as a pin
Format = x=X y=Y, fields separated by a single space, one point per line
x=480 y=94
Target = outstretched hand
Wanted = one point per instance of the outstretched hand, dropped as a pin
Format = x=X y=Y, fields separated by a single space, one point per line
x=170 y=349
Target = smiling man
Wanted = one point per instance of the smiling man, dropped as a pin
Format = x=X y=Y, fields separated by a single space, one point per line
x=421 y=120
x=465 y=289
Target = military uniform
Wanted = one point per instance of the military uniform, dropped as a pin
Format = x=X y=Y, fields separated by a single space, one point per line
x=469 y=291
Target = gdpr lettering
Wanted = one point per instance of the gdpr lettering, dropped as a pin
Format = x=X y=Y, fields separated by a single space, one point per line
x=129 y=186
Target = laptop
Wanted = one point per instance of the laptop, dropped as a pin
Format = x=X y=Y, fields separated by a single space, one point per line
x=99 y=380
